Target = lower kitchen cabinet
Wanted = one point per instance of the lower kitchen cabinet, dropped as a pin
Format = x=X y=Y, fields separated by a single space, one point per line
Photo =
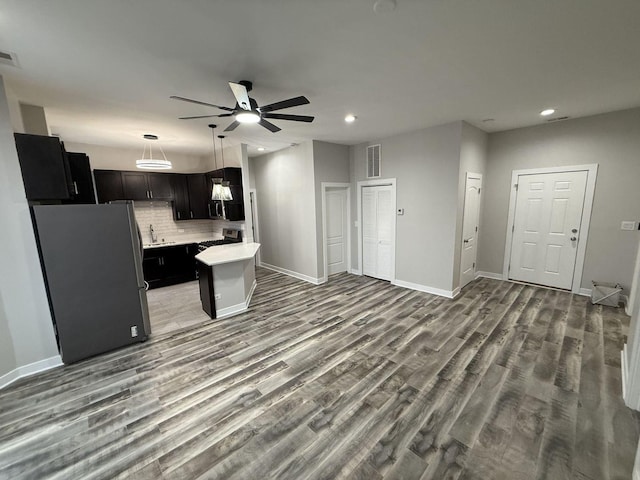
x=169 y=265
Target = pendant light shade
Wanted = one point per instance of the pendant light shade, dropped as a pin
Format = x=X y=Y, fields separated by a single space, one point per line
x=150 y=163
x=226 y=190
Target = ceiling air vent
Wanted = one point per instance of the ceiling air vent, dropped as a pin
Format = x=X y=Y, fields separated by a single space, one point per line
x=558 y=119
x=373 y=161
x=8 y=58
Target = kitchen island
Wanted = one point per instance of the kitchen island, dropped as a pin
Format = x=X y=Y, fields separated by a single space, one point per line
x=227 y=278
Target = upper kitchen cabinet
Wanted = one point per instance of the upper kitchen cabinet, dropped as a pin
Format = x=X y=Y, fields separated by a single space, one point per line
x=233 y=209
x=45 y=168
x=109 y=185
x=81 y=176
x=190 y=197
x=147 y=186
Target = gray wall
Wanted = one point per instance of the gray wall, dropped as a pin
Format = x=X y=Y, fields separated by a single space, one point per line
x=426 y=164
x=284 y=182
x=611 y=140
x=473 y=159
x=24 y=307
x=330 y=164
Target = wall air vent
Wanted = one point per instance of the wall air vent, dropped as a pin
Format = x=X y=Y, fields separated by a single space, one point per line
x=8 y=58
x=373 y=161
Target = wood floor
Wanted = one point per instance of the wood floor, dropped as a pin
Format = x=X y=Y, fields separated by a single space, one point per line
x=352 y=379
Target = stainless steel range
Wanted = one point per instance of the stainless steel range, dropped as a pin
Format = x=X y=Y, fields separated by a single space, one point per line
x=229 y=236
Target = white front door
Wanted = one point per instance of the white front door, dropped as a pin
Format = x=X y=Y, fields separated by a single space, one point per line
x=377 y=228
x=470 y=218
x=336 y=224
x=546 y=228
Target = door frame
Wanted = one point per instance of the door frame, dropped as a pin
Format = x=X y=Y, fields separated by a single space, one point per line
x=253 y=206
x=347 y=187
x=469 y=175
x=592 y=172
x=379 y=182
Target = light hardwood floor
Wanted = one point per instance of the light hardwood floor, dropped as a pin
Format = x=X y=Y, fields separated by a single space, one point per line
x=352 y=379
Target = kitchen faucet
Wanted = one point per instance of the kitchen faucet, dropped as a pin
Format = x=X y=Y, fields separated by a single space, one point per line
x=154 y=237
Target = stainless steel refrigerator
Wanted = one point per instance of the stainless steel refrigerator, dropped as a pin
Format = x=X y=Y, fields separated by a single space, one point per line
x=91 y=257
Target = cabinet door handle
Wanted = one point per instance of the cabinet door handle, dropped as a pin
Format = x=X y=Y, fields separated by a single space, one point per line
x=217 y=214
x=75 y=187
x=159 y=260
x=178 y=215
x=150 y=193
x=191 y=213
x=209 y=207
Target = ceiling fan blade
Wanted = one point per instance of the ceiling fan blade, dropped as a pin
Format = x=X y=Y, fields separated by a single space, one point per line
x=232 y=126
x=269 y=125
x=184 y=99
x=292 y=102
x=206 y=116
x=241 y=94
x=284 y=116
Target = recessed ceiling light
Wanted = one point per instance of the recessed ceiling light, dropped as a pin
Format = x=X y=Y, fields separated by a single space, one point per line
x=261 y=149
x=384 y=6
x=547 y=112
x=350 y=118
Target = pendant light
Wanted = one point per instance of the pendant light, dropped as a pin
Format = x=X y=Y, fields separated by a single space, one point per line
x=152 y=163
x=226 y=190
x=216 y=192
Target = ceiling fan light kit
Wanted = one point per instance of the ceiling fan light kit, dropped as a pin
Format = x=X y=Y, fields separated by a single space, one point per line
x=152 y=163
x=247 y=110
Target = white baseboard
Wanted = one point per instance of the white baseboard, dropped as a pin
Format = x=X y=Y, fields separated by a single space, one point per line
x=585 y=292
x=355 y=271
x=424 y=288
x=31 y=369
x=495 y=276
x=238 y=308
x=291 y=273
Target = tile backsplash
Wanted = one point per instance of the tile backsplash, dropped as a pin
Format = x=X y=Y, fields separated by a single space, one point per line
x=160 y=215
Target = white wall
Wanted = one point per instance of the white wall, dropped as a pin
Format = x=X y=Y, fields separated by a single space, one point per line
x=114 y=158
x=611 y=140
x=284 y=182
x=426 y=164
x=330 y=164
x=473 y=159
x=24 y=309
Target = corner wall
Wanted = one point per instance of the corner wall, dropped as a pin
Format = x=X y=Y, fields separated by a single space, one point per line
x=284 y=182
x=426 y=165
x=612 y=141
x=26 y=329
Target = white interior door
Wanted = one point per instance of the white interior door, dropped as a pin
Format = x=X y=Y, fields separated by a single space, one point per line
x=336 y=230
x=377 y=231
x=254 y=222
x=546 y=228
x=470 y=222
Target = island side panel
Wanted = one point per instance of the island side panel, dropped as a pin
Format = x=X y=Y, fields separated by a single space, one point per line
x=228 y=284
x=205 y=280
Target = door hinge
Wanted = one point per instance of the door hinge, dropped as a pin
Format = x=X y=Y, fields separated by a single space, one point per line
x=516 y=187
x=474 y=264
x=476 y=228
x=513 y=227
x=479 y=191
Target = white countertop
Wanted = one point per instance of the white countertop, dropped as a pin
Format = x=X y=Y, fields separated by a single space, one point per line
x=185 y=241
x=233 y=252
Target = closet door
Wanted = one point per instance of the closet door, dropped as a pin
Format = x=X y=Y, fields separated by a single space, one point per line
x=377 y=228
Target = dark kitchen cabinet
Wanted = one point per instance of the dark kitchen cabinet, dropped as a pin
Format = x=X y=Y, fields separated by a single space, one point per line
x=146 y=186
x=109 y=185
x=190 y=197
x=169 y=265
x=45 y=168
x=81 y=176
x=233 y=209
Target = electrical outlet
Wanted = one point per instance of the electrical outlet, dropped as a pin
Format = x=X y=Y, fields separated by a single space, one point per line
x=134 y=331
x=217 y=296
x=628 y=225
x=401 y=211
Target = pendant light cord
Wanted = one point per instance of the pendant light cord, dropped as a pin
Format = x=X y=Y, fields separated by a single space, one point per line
x=213 y=140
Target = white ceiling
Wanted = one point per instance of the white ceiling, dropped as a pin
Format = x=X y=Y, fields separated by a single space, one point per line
x=104 y=70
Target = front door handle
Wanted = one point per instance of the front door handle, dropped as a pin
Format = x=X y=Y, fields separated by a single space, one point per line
x=573 y=239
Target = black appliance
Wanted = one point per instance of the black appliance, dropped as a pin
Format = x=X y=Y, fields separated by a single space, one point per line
x=229 y=236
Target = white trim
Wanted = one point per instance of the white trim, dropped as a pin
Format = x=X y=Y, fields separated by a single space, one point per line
x=324 y=187
x=30 y=369
x=636 y=474
x=238 y=308
x=625 y=370
x=378 y=183
x=424 y=288
x=592 y=172
x=477 y=176
x=291 y=273
x=355 y=271
x=585 y=292
x=495 y=276
x=253 y=206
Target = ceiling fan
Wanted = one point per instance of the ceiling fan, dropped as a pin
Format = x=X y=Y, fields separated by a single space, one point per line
x=248 y=111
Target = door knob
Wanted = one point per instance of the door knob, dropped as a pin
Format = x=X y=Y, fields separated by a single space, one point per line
x=465 y=241
x=574 y=230
x=573 y=239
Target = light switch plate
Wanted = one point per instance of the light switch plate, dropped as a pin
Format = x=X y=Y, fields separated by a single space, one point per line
x=628 y=225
